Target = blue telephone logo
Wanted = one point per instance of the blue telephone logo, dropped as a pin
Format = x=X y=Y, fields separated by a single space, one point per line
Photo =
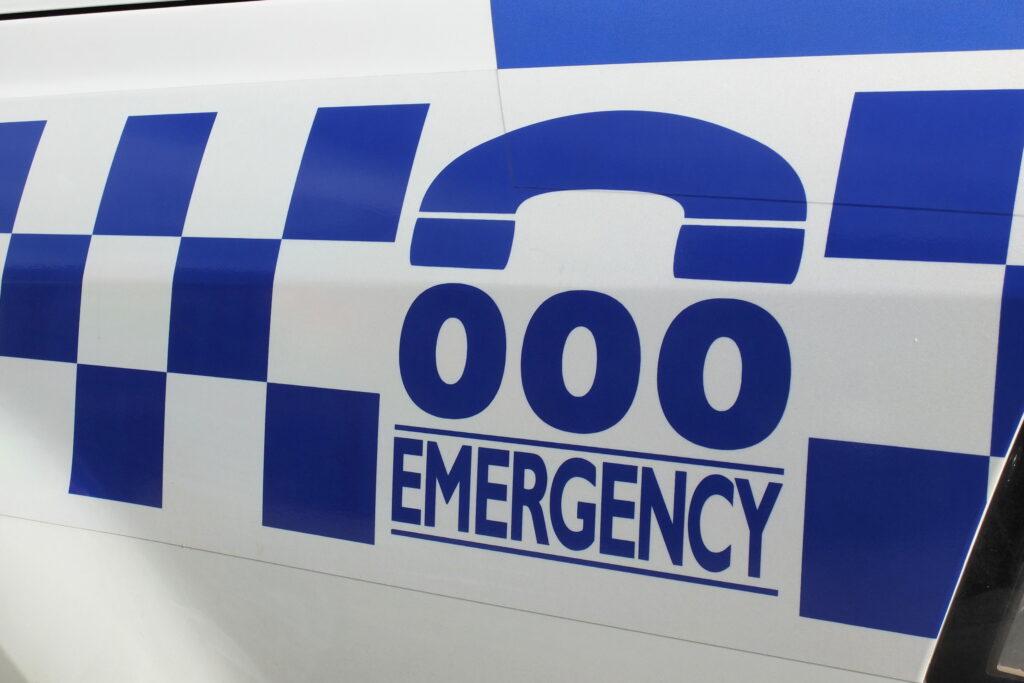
x=713 y=172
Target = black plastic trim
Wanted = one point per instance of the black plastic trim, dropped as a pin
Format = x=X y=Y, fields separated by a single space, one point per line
x=990 y=589
x=93 y=9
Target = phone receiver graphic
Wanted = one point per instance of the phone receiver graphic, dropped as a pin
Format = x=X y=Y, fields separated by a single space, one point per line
x=712 y=171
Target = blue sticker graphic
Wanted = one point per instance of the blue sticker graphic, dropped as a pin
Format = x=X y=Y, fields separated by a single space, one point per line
x=461 y=243
x=712 y=171
x=150 y=183
x=886 y=532
x=220 y=307
x=764 y=388
x=485 y=351
x=119 y=435
x=929 y=176
x=550 y=490
x=531 y=33
x=618 y=362
x=18 y=143
x=710 y=560
x=739 y=254
x=320 y=462
x=1008 y=405
x=41 y=296
x=352 y=180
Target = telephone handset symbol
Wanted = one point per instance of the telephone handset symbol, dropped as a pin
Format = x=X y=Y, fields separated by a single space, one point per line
x=712 y=171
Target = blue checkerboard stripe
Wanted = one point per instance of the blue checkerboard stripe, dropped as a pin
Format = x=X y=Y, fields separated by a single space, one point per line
x=320 y=444
x=367 y=154
x=1008 y=404
x=886 y=531
x=41 y=296
x=924 y=176
x=320 y=461
x=220 y=307
x=154 y=170
x=18 y=142
x=928 y=176
x=119 y=434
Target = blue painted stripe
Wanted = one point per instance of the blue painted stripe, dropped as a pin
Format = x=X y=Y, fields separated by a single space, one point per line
x=41 y=296
x=320 y=461
x=588 y=563
x=118 y=451
x=354 y=171
x=739 y=254
x=154 y=171
x=594 y=449
x=928 y=176
x=886 y=533
x=18 y=142
x=220 y=307
x=1008 y=405
x=530 y=33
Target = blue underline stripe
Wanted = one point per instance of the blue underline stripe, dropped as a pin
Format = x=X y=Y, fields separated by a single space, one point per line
x=588 y=563
x=595 y=449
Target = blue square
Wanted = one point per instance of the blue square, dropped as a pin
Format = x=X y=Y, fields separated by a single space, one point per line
x=119 y=435
x=320 y=462
x=41 y=296
x=150 y=183
x=220 y=307
x=18 y=142
x=886 y=533
x=1008 y=404
x=354 y=172
x=929 y=176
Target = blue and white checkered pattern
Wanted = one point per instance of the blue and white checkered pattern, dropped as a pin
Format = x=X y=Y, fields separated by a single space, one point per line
x=925 y=176
x=202 y=307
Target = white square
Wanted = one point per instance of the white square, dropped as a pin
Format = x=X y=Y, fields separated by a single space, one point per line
x=244 y=186
x=900 y=353
x=126 y=302
x=37 y=413
x=64 y=187
x=213 y=461
x=337 y=313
